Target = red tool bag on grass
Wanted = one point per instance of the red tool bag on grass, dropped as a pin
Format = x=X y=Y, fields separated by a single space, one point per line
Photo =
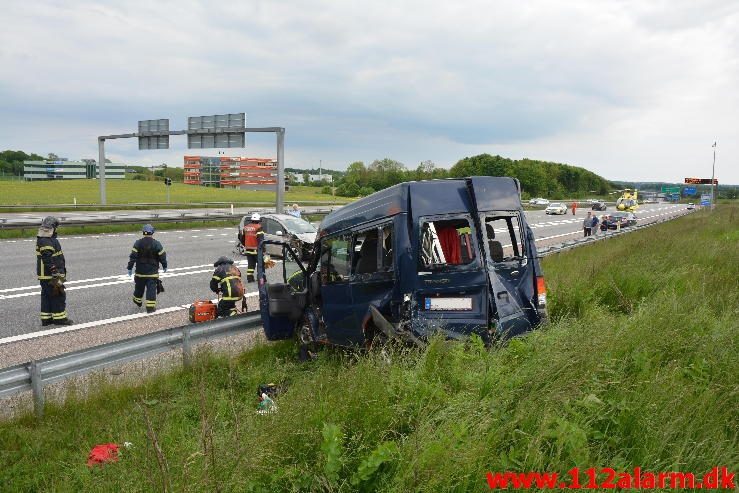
x=202 y=311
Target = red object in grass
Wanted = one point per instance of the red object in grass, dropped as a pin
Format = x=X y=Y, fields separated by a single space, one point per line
x=101 y=454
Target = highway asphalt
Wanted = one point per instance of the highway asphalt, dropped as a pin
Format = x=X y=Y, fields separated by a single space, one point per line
x=99 y=289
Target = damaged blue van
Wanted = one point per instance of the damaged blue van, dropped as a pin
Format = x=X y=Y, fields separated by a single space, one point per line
x=454 y=256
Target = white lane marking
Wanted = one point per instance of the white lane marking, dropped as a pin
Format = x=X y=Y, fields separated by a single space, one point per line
x=95 y=279
x=87 y=325
x=112 y=280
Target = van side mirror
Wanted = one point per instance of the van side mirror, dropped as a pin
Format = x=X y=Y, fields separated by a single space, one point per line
x=278 y=232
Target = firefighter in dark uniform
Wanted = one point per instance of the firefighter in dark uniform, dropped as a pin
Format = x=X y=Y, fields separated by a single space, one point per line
x=226 y=280
x=253 y=236
x=147 y=253
x=51 y=272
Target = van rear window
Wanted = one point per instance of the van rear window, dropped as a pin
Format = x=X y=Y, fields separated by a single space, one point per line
x=446 y=242
x=504 y=237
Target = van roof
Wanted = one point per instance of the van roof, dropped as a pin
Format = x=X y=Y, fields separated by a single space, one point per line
x=425 y=198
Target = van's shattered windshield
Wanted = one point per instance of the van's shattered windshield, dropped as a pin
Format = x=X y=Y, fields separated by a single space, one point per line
x=446 y=242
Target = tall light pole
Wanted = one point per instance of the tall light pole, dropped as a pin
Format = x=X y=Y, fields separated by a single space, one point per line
x=713 y=173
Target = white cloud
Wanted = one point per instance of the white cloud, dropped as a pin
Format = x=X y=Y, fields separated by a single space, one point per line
x=629 y=89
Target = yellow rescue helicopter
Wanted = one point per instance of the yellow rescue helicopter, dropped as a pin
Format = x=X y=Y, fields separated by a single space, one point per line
x=628 y=200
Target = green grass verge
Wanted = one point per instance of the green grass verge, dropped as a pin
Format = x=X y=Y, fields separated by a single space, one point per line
x=638 y=368
x=87 y=192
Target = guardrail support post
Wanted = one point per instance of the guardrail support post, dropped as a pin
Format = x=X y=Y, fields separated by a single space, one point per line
x=186 y=348
x=37 y=385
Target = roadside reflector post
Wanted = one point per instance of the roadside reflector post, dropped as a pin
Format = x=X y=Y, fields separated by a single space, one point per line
x=232 y=209
x=186 y=348
x=37 y=386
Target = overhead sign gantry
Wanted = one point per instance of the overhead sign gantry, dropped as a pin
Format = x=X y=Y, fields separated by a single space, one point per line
x=203 y=132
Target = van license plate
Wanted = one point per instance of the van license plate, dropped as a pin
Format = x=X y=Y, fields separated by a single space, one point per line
x=449 y=304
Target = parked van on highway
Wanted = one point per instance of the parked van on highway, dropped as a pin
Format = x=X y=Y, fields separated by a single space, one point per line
x=454 y=256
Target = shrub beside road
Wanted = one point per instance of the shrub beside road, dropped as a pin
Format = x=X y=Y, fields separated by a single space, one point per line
x=638 y=368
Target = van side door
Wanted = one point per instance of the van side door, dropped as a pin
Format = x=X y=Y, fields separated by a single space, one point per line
x=338 y=314
x=283 y=290
x=372 y=278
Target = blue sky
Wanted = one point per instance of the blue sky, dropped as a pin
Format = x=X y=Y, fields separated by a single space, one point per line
x=629 y=89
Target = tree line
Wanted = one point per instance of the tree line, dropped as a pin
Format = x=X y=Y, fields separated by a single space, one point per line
x=538 y=178
x=11 y=162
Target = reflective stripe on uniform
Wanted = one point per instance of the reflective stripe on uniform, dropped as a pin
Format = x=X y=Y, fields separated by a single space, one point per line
x=151 y=303
x=251 y=252
x=216 y=278
x=60 y=315
x=45 y=316
x=46 y=248
x=135 y=250
x=57 y=254
x=162 y=252
x=45 y=278
x=228 y=296
x=147 y=275
x=137 y=300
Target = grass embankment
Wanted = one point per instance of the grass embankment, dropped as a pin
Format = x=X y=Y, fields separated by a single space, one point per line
x=638 y=368
x=123 y=192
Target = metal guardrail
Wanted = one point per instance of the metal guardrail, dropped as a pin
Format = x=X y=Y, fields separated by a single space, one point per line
x=149 y=205
x=135 y=218
x=35 y=374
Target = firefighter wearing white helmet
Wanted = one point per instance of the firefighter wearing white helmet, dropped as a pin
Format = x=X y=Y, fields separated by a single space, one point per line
x=146 y=254
x=253 y=236
x=51 y=271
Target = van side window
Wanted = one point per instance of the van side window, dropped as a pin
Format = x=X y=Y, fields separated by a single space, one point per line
x=446 y=242
x=335 y=259
x=364 y=260
x=504 y=237
x=372 y=250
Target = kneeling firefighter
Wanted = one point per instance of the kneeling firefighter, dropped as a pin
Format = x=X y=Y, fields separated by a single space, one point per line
x=147 y=253
x=226 y=280
x=51 y=271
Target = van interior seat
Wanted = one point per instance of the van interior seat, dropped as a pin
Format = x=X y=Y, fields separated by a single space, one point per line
x=496 y=250
x=367 y=263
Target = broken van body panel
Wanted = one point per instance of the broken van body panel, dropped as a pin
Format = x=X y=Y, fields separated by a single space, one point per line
x=455 y=256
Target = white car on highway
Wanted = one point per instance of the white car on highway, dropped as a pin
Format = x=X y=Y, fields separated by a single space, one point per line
x=538 y=201
x=556 y=208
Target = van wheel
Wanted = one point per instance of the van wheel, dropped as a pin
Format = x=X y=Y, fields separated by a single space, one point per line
x=307 y=345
